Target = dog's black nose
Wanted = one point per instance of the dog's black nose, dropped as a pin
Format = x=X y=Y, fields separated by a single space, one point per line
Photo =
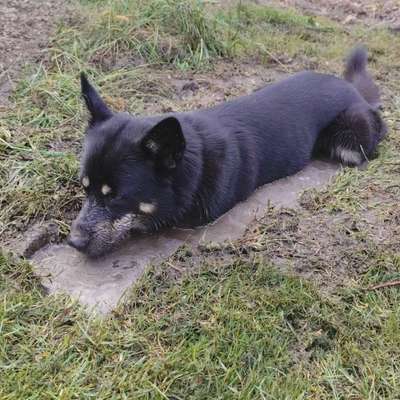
x=78 y=240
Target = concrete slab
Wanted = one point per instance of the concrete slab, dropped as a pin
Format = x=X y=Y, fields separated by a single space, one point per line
x=100 y=284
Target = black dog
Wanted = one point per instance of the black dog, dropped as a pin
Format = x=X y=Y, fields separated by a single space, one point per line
x=143 y=173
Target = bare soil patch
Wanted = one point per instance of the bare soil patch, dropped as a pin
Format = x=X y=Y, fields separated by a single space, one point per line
x=196 y=90
x=24 y=35
x=377 y=12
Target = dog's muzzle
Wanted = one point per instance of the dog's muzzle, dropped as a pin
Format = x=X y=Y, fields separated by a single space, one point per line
x=78 y=239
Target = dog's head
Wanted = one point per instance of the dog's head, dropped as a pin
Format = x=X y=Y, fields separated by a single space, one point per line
x=127 y=171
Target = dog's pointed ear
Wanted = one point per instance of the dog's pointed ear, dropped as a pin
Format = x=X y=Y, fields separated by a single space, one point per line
x=95 y=104
x=165 y=142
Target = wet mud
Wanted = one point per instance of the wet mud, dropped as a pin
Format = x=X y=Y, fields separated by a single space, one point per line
x=100 y=284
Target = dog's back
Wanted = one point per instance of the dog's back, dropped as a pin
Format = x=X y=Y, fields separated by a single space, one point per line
x=253 y=140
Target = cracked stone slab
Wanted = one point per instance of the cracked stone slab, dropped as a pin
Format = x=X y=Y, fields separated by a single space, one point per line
x=100 y=284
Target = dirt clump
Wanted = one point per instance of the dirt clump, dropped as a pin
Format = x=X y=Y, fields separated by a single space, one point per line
x=37 y=236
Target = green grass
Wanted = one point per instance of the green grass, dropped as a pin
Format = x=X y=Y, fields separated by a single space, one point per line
x=234 y=326
x=239 y=330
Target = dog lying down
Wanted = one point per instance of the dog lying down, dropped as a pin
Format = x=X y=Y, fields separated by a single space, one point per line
x=187 y=169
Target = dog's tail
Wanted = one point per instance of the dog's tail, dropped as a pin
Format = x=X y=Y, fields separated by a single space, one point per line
x=356 y=73
x=355 y=133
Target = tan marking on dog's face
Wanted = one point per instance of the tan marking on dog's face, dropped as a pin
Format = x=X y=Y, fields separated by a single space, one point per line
x=147 y=208
x=85 y=181
x=105 y=189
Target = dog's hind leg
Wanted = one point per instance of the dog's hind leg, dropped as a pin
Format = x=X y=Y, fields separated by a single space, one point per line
x=353 y=136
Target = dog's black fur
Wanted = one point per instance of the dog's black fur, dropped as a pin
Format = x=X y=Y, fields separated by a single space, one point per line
x=143 y=173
